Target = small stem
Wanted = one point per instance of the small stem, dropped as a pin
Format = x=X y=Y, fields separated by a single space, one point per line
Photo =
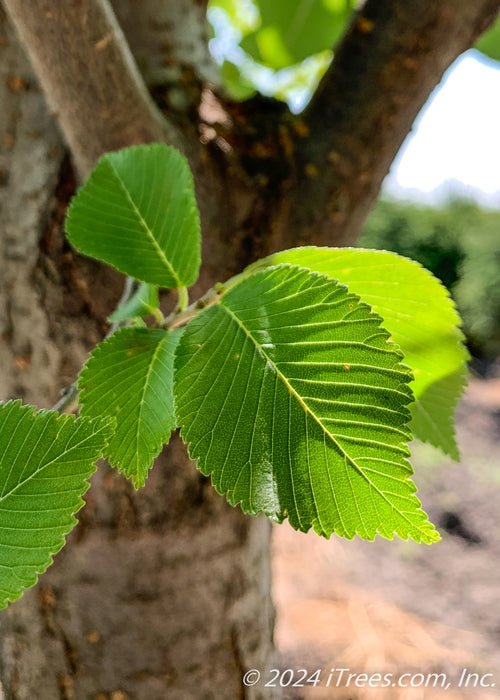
x=159 y=317
x=129 y=289
x=186 y=314
x=70 y=394
x=183 y=298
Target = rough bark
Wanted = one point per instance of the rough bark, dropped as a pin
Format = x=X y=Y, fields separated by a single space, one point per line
x=89 y=77
x=165 y=593
x=30 y=158
x=169 y=41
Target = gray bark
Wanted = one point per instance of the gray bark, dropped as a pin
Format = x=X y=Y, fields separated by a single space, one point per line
x=169 y=41
x=89 y=76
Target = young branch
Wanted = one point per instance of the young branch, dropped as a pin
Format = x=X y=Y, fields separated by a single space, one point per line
x=390 y=60
x=89 y=76
x=182 y=315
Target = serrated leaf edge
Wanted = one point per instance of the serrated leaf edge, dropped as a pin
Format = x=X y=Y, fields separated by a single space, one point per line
x=118 y=463
x=105 y=425
x=429 y=533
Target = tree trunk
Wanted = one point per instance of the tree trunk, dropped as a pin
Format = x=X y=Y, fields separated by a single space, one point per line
x=164 y=593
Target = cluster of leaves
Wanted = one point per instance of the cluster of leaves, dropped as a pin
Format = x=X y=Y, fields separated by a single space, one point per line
x=283 y=47
x=459 y=243
x=286 y=387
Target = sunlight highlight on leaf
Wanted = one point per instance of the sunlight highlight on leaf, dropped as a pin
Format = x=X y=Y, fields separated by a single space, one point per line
x=294 y=402
x=421 y=317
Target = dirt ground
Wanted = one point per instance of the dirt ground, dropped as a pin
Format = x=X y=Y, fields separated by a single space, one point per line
x=398 y=607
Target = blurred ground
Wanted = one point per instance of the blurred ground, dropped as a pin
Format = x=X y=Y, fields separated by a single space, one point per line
x=398 y=607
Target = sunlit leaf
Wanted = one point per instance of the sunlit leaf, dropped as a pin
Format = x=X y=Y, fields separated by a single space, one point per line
x=489 y=43
x=292 y=399
x=137 y=212
x=292 y=30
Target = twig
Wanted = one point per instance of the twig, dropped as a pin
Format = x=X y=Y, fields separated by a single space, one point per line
x=179 y=318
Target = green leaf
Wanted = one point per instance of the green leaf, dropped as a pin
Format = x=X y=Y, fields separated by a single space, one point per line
x=130 y=377
x=293 y=30
x=45 y=464
x=489 y=43
x=267 y=46
x=291 y=398
x=144 y=302
x=421 y=318
x=235 y=83
x=137 y=212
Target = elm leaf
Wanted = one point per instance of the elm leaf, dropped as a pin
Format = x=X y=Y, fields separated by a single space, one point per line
x=291 y=397
x=130 y=377
x=144 y=302
x=137 y=212
x=45 y=463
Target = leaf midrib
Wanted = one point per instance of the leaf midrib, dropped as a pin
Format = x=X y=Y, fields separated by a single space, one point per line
x=144 y=225
x=308 y=411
